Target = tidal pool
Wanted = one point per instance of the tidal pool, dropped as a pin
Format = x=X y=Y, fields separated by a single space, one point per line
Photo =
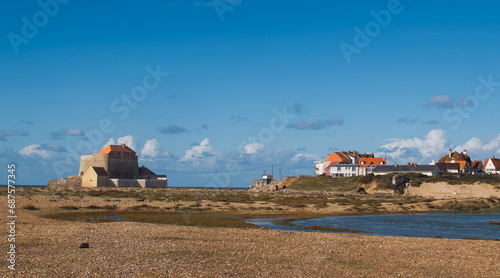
x=408 y=225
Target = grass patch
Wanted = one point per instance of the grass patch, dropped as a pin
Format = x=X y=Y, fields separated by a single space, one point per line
x=470 y=206
x=186 y=219
x=325 y=183
x=114 y=193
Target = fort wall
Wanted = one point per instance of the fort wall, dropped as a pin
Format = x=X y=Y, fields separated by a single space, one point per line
x=139 y=183
x=94 y=160
x=70 y=182
x=123 y=168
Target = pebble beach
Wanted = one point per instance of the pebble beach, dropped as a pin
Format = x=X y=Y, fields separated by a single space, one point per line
x=50 y=248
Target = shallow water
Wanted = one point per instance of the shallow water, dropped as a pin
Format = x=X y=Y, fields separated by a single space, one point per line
x=408 y=225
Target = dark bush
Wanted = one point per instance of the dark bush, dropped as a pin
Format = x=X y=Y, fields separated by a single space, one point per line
x=30 y=208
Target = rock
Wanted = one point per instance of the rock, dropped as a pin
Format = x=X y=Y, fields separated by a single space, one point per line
x=361 y=190
x=84 y=245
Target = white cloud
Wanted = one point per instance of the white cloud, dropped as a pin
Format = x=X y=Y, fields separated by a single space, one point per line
x=127 y=140
x=42 y=151
x=64 y=132
x=151 y=149
x=417 y=149
x=166 y=154
x=446 y=101
x=476 y=148
x=314 y=157
x=199 y=152
x=111 y=141
x=253 y=148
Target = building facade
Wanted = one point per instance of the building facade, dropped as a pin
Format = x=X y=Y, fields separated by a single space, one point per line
x=358 y=164
x=492 y=166
x=461 y=158
x=113 y=166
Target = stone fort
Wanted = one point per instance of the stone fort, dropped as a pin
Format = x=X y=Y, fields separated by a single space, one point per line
x=113 y=166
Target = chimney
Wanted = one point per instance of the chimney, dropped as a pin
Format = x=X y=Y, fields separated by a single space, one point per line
x=395 y=164
x=450 y=153
x=123 y=145
x=465 y=152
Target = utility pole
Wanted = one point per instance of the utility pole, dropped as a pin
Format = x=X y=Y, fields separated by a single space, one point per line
x=272 y=170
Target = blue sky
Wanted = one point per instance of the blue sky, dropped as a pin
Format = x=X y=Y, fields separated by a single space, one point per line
x=247 y=86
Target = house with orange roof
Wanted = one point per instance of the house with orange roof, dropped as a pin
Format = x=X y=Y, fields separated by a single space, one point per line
x=368 y=163
x=492 y=166
x=347 y=164
x=342 y=157
x=324 y=167
x=461 y=158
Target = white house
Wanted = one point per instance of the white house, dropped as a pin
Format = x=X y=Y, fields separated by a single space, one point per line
x=492 y=165
x=452 y=169
x=344 y=170
x=320 y=167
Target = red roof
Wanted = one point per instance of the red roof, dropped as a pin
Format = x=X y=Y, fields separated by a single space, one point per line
x=338 y=157
x=377 y=161
x=116 y=148
x=477 y=164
